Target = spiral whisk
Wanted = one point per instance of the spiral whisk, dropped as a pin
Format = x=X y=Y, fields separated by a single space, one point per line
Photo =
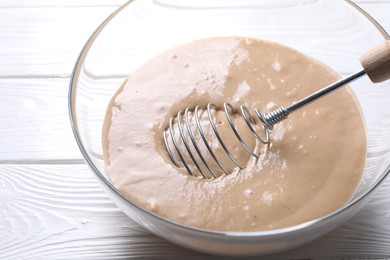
x=187 y=137
x=180 y=141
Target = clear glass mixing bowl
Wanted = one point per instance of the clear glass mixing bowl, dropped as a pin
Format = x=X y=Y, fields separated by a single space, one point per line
x=334 y=32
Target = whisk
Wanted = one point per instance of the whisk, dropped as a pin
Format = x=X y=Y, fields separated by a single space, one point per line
x=375 y=63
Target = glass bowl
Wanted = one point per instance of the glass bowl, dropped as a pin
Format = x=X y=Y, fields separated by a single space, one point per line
x=334 y=32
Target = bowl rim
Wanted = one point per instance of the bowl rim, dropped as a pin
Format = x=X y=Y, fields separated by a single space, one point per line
x=257 y=234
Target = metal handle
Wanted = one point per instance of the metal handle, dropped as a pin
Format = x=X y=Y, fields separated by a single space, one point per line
x=376 y=64
x=282 y=113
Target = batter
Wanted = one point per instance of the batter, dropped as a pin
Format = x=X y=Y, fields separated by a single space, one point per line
x=311 y=167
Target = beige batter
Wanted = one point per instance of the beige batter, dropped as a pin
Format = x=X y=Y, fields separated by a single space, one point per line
x=312 y=166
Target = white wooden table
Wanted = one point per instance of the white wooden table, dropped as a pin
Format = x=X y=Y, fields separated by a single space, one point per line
x=50 y=205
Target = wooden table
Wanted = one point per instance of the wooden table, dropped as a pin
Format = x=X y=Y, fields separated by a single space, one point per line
x=50 y=205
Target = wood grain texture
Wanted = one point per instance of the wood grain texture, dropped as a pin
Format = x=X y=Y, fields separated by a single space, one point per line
x=45 y=42
x=37 y=126
x=60 y=212
x=376 y=62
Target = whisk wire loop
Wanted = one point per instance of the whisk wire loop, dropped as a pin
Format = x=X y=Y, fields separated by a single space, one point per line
x=249 y=121
x=176 y=145
x=169 y=149
x=184 y=139
x=195 y=145
x=213 y=126
x=226 y=109
x=203 y=137
x=184 y=132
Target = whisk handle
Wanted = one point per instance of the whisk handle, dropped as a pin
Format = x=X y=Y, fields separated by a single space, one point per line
x=376 y=62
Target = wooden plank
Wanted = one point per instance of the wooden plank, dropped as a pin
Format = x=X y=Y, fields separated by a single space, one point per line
x=59 y=3
x=44 y=42
x=36 y=124
x=59 y=211
x=32 y=39
x=50 y=211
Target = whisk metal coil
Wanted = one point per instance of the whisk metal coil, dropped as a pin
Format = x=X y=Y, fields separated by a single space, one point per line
x=186 y=135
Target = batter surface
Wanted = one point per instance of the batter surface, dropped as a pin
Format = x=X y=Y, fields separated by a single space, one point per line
x=312 y=166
